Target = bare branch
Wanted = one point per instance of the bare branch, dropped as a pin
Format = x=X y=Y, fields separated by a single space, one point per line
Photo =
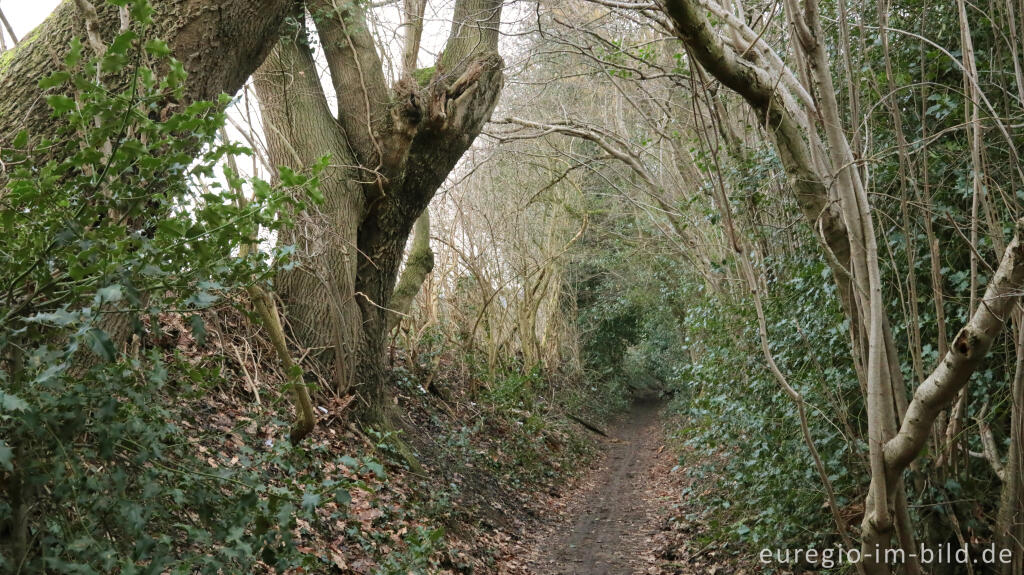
x=356 y=73
x=92 y=26
x=10 y=30
x=969 y=347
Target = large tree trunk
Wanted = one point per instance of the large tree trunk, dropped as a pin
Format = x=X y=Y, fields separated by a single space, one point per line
x=299 y=130
x=391 y=148
x=220 y=43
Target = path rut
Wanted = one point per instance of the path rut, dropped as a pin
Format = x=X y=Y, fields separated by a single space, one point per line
x=615 y=514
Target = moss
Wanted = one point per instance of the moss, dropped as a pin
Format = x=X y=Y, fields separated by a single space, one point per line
x=7 y=57
x=423 y=76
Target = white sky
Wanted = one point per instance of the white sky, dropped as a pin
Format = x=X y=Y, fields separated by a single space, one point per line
x=24 y=15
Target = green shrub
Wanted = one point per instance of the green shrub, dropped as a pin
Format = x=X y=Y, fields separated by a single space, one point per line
x=109 y=228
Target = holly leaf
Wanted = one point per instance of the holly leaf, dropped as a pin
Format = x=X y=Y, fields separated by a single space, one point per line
x=6 y=457
x=100 y=344
x=60 y=103
x=198 y=328
x=310 y=500
x=9 y=402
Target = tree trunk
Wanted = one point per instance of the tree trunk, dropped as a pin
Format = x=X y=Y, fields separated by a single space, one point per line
x=1010 y=523
x=418 y=266
x=220 y=43
x=299 y=130
x=390 y=148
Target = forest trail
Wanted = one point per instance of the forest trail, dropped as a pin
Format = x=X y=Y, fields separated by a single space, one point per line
x=607 y=523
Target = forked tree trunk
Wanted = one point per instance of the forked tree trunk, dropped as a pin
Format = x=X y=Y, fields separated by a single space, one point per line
x=390 y=148
x=299 y=130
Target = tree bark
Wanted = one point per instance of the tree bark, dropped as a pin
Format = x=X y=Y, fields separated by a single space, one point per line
x=220 y=43
x=1010 y=522
x=299 y=130
x=418 y=266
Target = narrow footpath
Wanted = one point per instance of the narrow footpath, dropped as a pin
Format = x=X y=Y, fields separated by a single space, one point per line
x=625 y=517
x=616 y=519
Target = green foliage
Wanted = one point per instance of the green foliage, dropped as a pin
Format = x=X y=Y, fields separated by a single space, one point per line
x=651 y=324
x=628 y=307
x=109 y=228
x=740 y=421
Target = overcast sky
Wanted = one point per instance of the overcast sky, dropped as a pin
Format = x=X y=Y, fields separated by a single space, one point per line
x=24 y=15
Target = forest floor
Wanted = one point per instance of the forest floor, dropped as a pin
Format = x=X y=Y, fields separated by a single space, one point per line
x=507 y=487
x=626 y=516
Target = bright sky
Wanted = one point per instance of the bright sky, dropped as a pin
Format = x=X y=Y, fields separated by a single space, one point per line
x=24 y=15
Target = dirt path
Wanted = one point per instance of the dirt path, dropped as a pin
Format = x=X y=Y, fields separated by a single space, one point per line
x=607 y=525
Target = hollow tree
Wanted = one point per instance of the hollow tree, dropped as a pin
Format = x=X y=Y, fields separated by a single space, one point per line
x=799 y=111
x=390 y=149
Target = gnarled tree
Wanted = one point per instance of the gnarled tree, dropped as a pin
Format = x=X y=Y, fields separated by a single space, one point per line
x=390 y=149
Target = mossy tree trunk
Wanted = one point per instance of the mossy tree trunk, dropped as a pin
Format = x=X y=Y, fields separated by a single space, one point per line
x=220 y=43
x=418 y=265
